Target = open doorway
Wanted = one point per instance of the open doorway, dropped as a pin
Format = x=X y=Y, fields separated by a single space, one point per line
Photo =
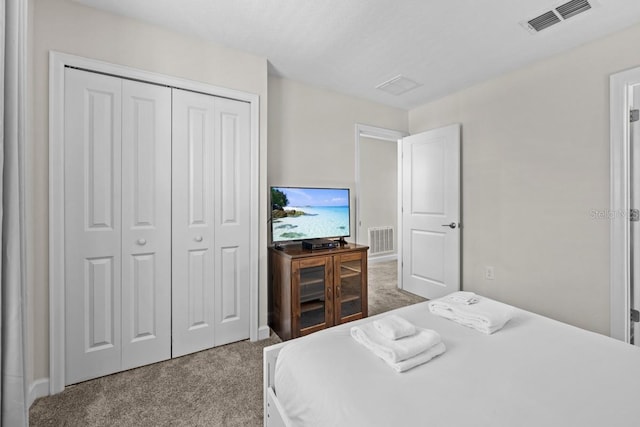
x=376 y=195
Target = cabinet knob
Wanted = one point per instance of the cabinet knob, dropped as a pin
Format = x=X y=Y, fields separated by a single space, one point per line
x=198 y=239
x=141 y=242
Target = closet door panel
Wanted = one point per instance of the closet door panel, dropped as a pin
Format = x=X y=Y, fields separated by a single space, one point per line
x=232 y=227
x=92 y=224
x=230 y=287
x=146 y=219
x=196 y=288
x=193 y=222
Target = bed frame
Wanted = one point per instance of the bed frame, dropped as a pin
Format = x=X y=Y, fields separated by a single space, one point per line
x=274 y=415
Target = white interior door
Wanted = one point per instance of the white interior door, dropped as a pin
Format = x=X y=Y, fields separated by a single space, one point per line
x=634 y=171
x=117 y=224
x=211 y=221
x=193 y=222
x=146 y=223
x=93 y=112
x=232 y=220
x=431 y=212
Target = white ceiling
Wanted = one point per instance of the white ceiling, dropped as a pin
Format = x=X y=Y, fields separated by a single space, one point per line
x=351 y=46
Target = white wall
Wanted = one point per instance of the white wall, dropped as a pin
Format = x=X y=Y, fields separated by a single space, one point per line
x=378 y=186
x=535 y=156
x=65 y=26
x=312 y=134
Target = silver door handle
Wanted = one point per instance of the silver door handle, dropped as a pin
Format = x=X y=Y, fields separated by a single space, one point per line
x=198 y=239
x=141 y=242
x=452 y=225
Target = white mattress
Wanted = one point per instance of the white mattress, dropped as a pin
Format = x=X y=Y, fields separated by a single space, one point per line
x=533 y=372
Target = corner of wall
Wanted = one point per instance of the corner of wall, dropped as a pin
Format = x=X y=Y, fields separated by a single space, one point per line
x=37 y=389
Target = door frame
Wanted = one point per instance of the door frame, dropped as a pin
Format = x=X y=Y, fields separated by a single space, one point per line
x=621 y=87
x=57 y=63
x=382 y=134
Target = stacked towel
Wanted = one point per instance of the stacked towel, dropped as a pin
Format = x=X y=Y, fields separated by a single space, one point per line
x=403 y=353
x=485 y=315
x=463 y=297
x=394 y=327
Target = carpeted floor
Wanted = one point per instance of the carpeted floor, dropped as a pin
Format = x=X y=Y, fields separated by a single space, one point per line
x=384 y=294
x=217 y=387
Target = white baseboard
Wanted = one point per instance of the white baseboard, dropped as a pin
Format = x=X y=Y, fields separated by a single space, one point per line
x=264 y=332
x=38 y=388
x=382 y=258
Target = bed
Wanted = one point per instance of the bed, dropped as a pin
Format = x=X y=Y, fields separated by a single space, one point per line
x=533 y=372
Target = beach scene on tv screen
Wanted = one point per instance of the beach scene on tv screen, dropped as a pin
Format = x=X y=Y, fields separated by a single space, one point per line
x=307 y=213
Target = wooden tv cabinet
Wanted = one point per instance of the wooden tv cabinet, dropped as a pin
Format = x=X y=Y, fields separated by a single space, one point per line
x=310 y=290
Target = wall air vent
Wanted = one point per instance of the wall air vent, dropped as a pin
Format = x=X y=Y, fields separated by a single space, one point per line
x=559 y=14
x=380 y=240
x=544 y=21
x=573 y=8
x=398 y=85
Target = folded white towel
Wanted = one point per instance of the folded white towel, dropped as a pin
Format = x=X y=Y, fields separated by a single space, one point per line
x=394 y=351
x=486 y=315
x=463 y=297
x=394 y=327
x=419 y=359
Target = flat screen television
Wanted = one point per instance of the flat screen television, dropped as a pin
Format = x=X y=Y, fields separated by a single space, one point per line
x=301 y=213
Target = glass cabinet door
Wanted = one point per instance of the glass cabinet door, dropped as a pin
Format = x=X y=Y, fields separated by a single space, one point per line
x=314 y=296
x=351 y=286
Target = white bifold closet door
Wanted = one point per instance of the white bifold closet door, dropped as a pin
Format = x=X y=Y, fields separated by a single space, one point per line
x=157 y=223
x=211 y=221
x=117 y=224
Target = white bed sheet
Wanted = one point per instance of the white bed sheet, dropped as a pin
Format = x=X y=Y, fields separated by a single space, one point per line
x=533 y=372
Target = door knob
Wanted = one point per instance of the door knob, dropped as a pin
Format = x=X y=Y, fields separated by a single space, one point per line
x=141 y=242
x=198 y=239
x=452 y=225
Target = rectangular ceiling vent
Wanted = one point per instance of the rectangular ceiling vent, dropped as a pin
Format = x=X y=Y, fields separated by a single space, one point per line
x=573 y=8
x=557 y=15
x=398 y=85
x=544 y=21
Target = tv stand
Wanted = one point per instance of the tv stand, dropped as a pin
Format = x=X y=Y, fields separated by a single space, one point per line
x=313 y=290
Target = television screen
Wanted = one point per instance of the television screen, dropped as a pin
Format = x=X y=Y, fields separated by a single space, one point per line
x=308 y=213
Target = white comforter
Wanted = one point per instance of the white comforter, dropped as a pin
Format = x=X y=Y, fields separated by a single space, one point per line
x=533 y=372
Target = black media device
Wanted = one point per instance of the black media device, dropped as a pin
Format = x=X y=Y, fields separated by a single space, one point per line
x=317 y=244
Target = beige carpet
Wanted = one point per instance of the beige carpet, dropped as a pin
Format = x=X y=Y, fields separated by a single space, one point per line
x=217 y=387
x=384 y=294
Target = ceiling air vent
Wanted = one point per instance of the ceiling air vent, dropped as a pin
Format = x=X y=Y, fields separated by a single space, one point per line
x=559 y=14
x=398 y=85
x=544 y=21
x=573 y=8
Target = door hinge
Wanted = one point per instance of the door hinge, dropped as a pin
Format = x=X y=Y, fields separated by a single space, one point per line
x=634 y=215
x=634 y=115
x=635 y=315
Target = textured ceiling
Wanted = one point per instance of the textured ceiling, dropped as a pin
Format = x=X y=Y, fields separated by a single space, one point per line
x=351 y=46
